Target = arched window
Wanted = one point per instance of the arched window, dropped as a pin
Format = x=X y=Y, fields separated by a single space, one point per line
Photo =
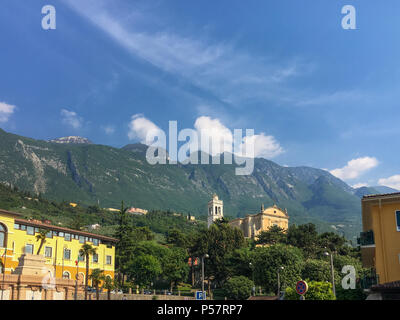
x=66 y=275
x=3 y=236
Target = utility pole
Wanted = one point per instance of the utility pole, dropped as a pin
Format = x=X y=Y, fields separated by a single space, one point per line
x=202 y=274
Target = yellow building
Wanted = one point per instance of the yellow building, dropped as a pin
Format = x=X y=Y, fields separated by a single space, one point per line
x=61 y=249
x=380 y=239
x=252 y=225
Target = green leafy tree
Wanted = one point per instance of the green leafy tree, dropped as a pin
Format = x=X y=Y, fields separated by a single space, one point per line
x=316 y=291
x=144 y=269
x=86 y=251
x=238 y=288
x=267 y=261
x=332 y=241
x=141 y=234
x=175 y=267
x=78 y=223
x=240 y=263
x=317 y=270
x=273 y=235
x=305 y=237
x=177 y=238
x=125 y=245
x=219 y=241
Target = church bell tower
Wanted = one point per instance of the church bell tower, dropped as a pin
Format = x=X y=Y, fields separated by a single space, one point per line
x=215 y=210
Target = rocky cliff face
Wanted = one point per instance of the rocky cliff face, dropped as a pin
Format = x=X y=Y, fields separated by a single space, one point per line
x=72 y=139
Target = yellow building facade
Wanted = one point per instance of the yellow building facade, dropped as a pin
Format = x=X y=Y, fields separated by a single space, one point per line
x=61 y=249
x=380 y=239
x=252 y=225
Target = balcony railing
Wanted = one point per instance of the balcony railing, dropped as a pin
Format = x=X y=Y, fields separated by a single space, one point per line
x=366 y=238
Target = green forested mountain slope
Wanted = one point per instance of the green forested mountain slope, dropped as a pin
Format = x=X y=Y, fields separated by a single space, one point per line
x=91 y=174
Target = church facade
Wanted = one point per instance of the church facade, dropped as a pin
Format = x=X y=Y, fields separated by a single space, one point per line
x=253 y=224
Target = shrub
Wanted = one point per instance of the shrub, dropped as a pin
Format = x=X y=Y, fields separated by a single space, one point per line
x=316 y=291
x=350 y=294
x=238 y=288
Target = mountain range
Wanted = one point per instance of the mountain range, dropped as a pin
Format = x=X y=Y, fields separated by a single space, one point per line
x=76 y=170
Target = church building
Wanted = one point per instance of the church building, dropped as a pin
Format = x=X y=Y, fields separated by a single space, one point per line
x=251 y=224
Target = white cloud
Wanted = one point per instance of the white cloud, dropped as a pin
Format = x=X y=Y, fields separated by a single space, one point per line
x=355 y=168
x=6 y=110
x=208 y=128
x=109 y=130
x=392 y=182
x=71 y=119
x=265 y=146
x=360 y=185
x=143 y=129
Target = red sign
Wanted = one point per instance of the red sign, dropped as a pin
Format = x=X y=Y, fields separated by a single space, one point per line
x=76 y=262
x=301 y=287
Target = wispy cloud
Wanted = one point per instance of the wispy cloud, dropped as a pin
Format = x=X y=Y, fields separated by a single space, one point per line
x=109 y=129
x=228 y=72
x=355 y=168
x=71 y=119
x=332 y=98
x=6 y=110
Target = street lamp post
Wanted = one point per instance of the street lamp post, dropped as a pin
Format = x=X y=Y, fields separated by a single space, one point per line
x=252 y=275
x=332 y=273
x=279 y=280
x=202 y=273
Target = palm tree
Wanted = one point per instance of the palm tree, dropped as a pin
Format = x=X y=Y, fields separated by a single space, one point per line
x=97 y=276
x=41 y=236
x=86 y=251
x=108 y=285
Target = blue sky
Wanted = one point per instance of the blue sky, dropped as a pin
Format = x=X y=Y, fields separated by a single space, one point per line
x=316 y=94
